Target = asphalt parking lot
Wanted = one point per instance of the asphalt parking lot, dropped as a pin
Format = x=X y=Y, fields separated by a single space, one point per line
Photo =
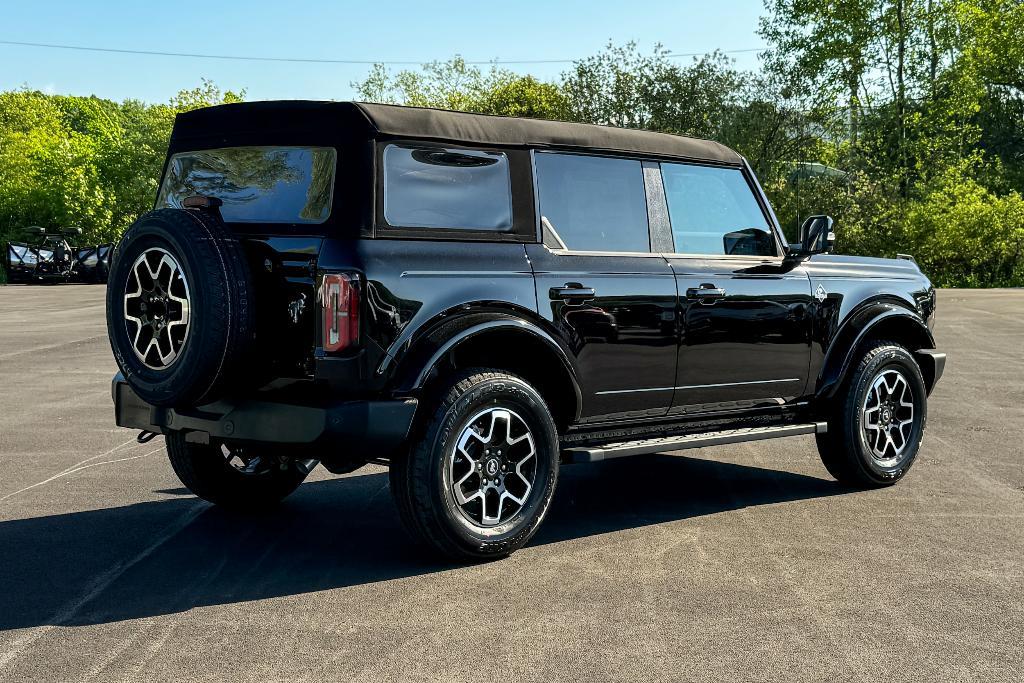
x=733 y=563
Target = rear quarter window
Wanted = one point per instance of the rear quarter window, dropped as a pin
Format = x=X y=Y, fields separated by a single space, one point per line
x=256 y=184
x=447 y=188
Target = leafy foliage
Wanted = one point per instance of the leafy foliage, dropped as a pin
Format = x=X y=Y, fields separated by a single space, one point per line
x=904 y=119
x=457 y=85
x=84 y=161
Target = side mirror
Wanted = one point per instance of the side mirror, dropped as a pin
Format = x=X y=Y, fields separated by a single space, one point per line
x=816 y=235
x=35 y=230
x=71 y=232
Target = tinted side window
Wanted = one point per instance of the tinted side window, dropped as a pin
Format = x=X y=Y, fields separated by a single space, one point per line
x=713 y=211
x=593 y=203
x=256 y=184
x=433 y=187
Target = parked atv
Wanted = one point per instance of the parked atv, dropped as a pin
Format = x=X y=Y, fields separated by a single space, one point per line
x=48 y=257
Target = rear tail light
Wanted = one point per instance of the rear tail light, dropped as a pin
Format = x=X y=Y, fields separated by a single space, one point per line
x=339 y=301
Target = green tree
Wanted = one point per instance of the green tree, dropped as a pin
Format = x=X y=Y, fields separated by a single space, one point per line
x=620 y=86
x=902 y=118
x=464 y=87
x=85 y=161
x=48 y=174
x=827 y=45
x=524 y=96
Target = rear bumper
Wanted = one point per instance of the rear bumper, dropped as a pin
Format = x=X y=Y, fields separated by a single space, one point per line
x=373 y=428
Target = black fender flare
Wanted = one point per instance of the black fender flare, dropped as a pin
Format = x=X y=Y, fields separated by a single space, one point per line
x=906 y=325
x=417 y=366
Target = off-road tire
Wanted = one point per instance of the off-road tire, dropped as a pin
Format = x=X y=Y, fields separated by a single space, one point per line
x=844 y=449
x=222 y=311
x=417 y=481
x=205 y=471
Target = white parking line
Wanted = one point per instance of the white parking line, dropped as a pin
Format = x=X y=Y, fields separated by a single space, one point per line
x=50 y=347
x=98 y=585
x=82 y=466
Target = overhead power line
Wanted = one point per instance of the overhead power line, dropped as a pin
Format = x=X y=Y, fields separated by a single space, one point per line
x=312 y=60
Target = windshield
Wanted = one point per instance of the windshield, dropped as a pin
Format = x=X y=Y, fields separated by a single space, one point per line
x=256 y=184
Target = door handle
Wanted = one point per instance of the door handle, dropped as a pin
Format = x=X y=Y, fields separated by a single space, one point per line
x=572 y=292
x=706 y=293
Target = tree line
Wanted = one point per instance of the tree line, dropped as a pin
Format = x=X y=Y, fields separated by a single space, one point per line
x=904 y=119
x=87 y=162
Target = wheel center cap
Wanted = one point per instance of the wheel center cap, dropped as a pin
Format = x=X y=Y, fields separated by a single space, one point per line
x=156 y=306
x=491 y=467
x=886 y=415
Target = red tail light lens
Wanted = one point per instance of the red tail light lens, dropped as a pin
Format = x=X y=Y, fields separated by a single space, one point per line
x=339 y=301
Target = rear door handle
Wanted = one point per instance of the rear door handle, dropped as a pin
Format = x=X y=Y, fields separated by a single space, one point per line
x=705 y=293
x=573 y=292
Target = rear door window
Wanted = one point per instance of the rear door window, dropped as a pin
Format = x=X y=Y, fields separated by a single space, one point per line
x=591 y=203
x=714 y=211
x=256 y=184
x=446 y=188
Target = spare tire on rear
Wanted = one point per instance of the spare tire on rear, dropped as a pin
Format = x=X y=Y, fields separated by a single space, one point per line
x=180 y=314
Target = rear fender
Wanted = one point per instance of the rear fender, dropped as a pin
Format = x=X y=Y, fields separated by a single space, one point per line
x=436 y=347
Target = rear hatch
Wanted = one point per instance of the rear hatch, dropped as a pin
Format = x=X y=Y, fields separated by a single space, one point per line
x=277 y=200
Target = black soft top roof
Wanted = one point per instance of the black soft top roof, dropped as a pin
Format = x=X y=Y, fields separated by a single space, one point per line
x=308 y=122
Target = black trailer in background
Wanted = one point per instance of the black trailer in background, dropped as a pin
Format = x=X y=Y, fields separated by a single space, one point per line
x=50 y=258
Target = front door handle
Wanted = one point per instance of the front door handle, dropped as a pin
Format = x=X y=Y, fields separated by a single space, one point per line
x=572 y=292
x=706 y=293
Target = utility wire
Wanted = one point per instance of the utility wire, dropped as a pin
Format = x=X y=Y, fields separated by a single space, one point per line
x=310 y=60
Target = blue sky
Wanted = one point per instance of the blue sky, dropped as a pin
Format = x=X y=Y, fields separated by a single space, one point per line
x=376 y=31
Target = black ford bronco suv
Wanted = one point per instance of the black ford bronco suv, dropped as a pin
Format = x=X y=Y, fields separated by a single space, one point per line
x=475 y=300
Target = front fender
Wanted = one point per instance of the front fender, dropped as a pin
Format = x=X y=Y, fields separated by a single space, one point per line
x=880 y=319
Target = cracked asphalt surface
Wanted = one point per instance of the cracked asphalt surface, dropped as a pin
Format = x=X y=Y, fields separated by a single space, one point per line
x=741 y=562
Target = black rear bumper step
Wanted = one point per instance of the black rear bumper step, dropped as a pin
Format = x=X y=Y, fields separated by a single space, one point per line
x=676 y=443
x=367 y=428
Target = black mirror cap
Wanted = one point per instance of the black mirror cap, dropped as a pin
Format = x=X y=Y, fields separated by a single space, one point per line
x=71 y=232
x=817 y=235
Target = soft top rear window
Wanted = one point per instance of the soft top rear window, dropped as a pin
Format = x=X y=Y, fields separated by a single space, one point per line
x=256 y=184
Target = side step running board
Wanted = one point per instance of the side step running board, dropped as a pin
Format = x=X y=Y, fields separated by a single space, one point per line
x=675 y=443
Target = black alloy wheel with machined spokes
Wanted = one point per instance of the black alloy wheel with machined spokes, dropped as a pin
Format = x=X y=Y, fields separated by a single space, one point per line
x=234 y=475
x=887 y=416
x=257 y=461
x=157 y=308
x=479 y=478
x=491 y=468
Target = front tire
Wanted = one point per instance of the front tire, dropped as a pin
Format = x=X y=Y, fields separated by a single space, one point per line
x=479 y=481
x=877 y=422
x=240 y=478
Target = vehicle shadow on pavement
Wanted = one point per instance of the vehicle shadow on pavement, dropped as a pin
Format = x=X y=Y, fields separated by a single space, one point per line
x=163 y=557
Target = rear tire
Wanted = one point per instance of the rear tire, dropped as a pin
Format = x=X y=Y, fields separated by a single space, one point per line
x=479 y=481
x=877 y=419
x=237 y=478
